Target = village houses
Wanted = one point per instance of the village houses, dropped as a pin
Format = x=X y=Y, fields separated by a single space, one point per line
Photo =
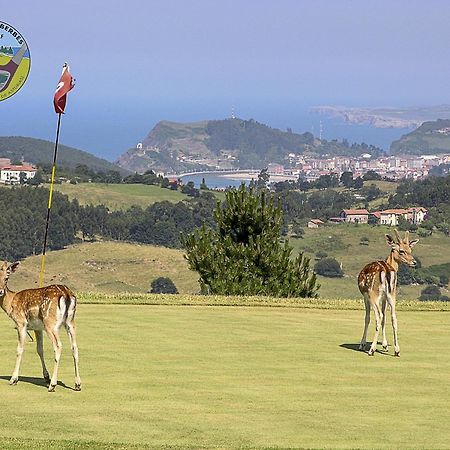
x=10 y=173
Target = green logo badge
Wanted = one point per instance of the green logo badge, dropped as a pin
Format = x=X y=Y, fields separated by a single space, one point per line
x=15 y=61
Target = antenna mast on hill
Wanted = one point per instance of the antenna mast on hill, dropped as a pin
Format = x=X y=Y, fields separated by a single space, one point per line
x=320 y=130
x=233 y=115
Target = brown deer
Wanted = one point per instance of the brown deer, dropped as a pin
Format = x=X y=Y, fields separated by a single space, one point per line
x=46 y=308
x=378 y=281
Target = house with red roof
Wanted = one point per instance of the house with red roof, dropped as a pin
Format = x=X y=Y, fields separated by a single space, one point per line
x=315 y=223
x=355 y=215
x=391 y=217
x=10 y=174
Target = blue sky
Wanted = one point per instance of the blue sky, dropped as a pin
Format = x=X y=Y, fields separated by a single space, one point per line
x=138 y=62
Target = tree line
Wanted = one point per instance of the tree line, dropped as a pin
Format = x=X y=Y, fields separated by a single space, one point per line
x=22 y=223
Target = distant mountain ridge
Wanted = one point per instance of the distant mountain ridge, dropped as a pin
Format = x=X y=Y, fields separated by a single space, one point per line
x=386 y=117
x=226 y=144
x=430 y=138
x=39 y=151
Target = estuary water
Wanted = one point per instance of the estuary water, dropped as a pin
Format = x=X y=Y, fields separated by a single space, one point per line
x=214 y=181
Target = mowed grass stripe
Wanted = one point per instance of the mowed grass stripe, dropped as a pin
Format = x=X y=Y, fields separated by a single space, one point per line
x=234 y=377
x=250 y=301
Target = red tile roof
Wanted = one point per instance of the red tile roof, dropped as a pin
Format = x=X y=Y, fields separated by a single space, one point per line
x=351 y=212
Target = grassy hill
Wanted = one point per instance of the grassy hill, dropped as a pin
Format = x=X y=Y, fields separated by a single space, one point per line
x=213 y=377
x=427 y=139
x=112 y=267
x=118 y=196
x=39 y=151
x=109 y=267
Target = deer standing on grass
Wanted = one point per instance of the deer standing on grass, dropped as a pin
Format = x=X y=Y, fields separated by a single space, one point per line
x=46 y=308
x=378 y=281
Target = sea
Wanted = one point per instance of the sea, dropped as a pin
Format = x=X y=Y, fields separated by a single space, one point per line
x=214 y=181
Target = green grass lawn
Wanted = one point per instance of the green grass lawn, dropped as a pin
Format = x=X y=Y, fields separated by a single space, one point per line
x=119 y=196
x=217 y=377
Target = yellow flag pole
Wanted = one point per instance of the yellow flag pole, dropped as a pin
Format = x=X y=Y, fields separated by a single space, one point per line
x=49 y=206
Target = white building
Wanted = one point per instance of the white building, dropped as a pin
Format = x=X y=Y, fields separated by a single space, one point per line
x=11 y=174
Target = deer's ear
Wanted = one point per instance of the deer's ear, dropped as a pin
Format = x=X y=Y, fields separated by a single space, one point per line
x=12 y=267
x=413 y=243
x=389 y=240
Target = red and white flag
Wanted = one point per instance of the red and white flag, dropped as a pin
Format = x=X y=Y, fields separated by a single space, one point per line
x=66 y=83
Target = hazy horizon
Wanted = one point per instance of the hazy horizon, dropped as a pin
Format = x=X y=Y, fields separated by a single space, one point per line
x=189 y=61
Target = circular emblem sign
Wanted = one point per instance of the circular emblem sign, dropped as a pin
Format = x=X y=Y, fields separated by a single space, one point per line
x=15 y=61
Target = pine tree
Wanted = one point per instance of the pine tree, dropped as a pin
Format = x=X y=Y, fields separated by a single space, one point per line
x=243 y=255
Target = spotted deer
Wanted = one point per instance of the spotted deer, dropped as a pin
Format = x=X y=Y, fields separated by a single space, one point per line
x=378 y=281
x=46 y=308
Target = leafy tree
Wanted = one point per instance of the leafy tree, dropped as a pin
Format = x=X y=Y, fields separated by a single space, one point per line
x=347 y=179
x=371 y=192
x=358 y=183
x=444 y=280
x=263 y=178
x=405 y=225
x=244 y=256
x=297 y=230
x=38 y=178
x=163 y=285
x=22 y=177
x=371 y=175
x=190 y=190
x=328 y=267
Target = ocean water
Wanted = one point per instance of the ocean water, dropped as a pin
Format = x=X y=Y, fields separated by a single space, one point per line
x=213 y=181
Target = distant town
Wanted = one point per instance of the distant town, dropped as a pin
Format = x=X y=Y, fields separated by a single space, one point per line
x=393 y=167
x=310 y=168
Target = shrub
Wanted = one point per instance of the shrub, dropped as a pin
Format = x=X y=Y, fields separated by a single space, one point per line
x=430 y=292
x=364 y=241
x=320 y=254
x=328 y=267
x=444 y=280
x=244 y=255
x=163 y=285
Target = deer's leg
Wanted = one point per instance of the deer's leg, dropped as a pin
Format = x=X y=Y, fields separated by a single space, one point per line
x=362 y=345
x=378 y=318
x=40 y=351
x=391 y=300
x=53 y=334
x=70 y=327
x=383 y=324
x=22 y=335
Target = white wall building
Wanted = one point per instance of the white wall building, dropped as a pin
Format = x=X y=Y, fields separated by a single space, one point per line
x=11 y=174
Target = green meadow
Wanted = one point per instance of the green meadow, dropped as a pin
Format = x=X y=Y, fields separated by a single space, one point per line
x=172 y=376
x=118 y=196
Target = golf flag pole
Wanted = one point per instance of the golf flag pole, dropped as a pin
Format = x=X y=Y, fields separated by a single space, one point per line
x=65 y=84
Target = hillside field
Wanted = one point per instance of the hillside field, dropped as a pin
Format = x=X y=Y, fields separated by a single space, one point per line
x=231 y=377
x=109 y=267
x=115 y=267
x=342 y=241
x=119 y=196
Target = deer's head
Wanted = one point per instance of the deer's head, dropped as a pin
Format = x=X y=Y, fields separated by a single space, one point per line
x=402 y=248
x=6 y=269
